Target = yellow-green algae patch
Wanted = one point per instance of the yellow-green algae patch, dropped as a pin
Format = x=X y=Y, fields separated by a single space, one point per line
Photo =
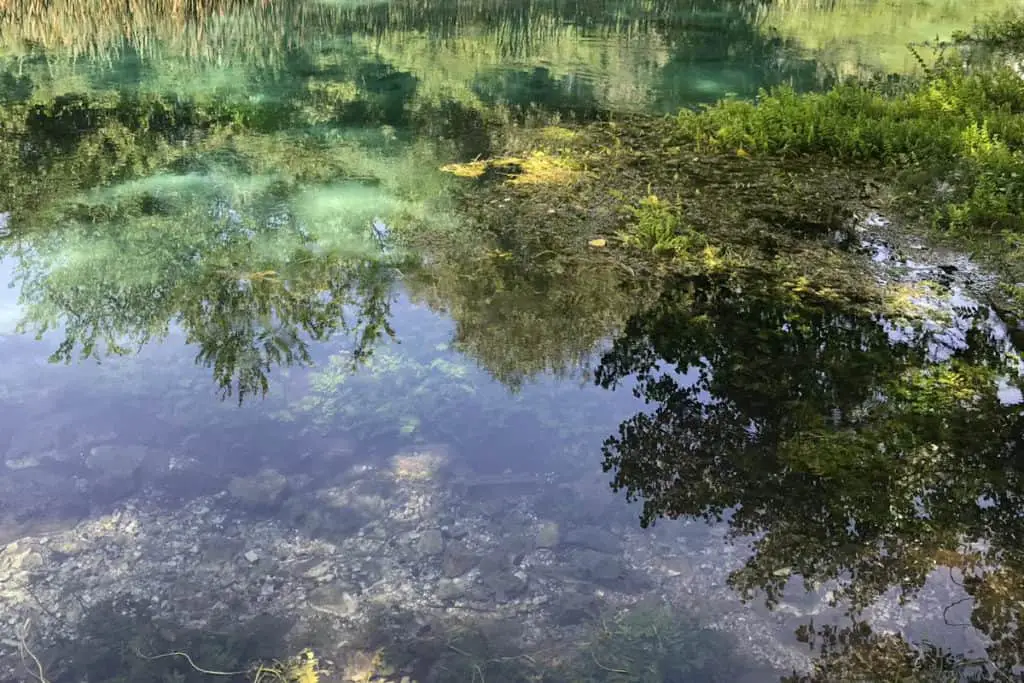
x=536 y=168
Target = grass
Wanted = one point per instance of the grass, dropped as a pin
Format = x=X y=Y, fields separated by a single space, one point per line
x=657 y=227
x=952 y=139
x=958 y=125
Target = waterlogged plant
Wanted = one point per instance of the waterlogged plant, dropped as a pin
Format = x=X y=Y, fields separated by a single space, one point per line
x=959 y=123
x=953 y=139
x=652 y=644
x=657 y=227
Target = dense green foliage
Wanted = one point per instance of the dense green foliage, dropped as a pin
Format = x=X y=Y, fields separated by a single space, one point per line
x=954 y=138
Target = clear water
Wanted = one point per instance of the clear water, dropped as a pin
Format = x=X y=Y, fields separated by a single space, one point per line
x=238 y=418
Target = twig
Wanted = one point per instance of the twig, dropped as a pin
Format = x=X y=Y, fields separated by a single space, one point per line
x=274 y=672
x=946 y=609
x=32 y=593
x=461 y=652
x=605 y=668
x=22 y=634
x=190 y=663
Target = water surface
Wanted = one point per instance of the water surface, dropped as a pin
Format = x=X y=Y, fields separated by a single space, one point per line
x=241 y=417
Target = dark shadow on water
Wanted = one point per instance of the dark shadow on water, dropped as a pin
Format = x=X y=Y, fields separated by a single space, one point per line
x=121 y=640
x=648 y=643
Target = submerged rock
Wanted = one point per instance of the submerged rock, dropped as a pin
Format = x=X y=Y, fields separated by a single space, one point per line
x=457 y=560
x=594 y=538
x=600 y=567
x=265 y=489
x=22 y=463
x=575 y=608
x=318 y=571
x=449 y=590
x=334 y=599
x=431 y=542
x=505 y=586
x=116 y=461
x=548 y=535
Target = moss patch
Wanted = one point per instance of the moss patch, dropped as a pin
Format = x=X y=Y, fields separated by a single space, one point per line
x=537 y=168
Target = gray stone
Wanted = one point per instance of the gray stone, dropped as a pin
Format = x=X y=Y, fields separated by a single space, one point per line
x=505 y=586
x=594 y=538
x=457 y=561
x=451 y=590
x=22 y=463
x=266 y=488
x=31 y=561
x=575 y=608
x=334 y=599
x=548 y=535
x=431 y=542
x=600 y=567
x=116 y=461
x=318 y=571
x=497 y=561
x=251 y=556
x=222 y=551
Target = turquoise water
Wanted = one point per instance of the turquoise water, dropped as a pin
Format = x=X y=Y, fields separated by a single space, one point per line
x=241 y=416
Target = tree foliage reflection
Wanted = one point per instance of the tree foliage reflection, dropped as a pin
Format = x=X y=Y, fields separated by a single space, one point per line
x=847 y=455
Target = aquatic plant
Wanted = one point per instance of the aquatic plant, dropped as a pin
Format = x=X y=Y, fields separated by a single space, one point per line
x=536 y=168
x=658 y=228
x=960 y=123
x=123 y=641
x=953 y=139
x=652 y=643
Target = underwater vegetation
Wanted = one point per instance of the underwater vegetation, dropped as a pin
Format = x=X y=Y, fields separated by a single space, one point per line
x=645 y=643
x=405 y=392
x=126 y=643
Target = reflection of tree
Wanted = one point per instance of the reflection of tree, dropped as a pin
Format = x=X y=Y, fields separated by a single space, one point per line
x=728 y=52
x=250 y=286
x=579 y=57
x=522 y=321
x=846 y=456
x=525 y=298
x=245 y=329
x=858 y=653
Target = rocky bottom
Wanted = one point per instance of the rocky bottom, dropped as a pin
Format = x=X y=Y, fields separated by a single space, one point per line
x=404 y=573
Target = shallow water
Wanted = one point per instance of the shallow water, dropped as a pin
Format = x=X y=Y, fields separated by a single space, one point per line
x=238 y=417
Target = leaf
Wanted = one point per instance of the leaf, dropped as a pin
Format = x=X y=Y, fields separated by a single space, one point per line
x=599 y=242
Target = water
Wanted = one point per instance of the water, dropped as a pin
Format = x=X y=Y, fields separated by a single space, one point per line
x=241 y=416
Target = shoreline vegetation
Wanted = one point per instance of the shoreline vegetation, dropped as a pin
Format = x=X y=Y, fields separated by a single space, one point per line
x=739 y=182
